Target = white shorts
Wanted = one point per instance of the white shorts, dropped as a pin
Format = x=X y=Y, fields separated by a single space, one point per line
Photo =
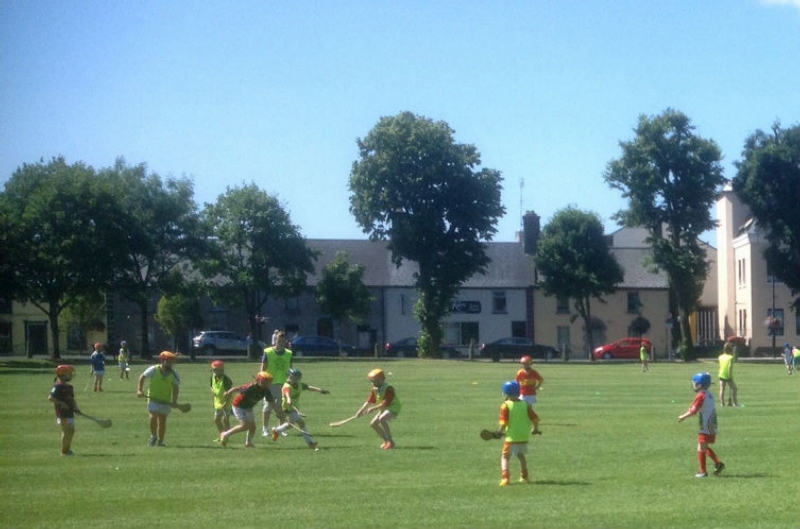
x=244 y=414
x=515 y=449
x=530 y=399
x=70 y=421
x=157 y=408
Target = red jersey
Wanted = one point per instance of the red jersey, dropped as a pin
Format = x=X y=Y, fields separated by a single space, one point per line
x=528 y=380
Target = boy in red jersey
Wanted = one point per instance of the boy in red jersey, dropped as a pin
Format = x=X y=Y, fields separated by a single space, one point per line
x=529 y=383
x=63 y=398
x=516 y=417
x=247 y=396
x=704 y=406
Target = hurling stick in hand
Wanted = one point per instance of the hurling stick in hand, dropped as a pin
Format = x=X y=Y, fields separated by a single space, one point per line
x=186 y=407
x=104 y=423
x=343 y=422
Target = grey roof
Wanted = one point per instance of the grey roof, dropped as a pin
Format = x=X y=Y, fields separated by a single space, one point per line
x=636 y=275
x=510 y=267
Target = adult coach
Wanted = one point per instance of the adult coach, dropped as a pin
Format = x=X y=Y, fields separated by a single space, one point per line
x=277 y=359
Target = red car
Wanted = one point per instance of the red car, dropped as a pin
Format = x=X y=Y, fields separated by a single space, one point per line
x=624 y=348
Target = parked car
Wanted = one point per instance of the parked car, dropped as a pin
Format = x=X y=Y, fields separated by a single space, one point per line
x=517 y=347
x=624 y=348
x=407 y=348
x=312 y=345
x=221 y=342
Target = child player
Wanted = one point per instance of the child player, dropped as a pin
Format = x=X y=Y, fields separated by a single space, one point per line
x=63 y=398
x=516 y=418
x=247 y=396
x=162 y=394
x=529 y=383
x=703 y=405
x=383 y=399
x=220 y=384
x=290 y=395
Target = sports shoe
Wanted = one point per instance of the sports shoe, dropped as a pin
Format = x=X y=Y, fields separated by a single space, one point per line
x=284 y=434
x=536 y=432
x=223 y=440
x=249 y=445
x=313 y=446
x=718 y=468
x=67 y=453
x=388 y=445
x=265 y=432
x=152 y=441
x=701 y=475
x=524 y=480
x=504 y=482
x=160 y=443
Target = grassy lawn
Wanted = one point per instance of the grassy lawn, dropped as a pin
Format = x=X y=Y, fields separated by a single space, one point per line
x=612 y=453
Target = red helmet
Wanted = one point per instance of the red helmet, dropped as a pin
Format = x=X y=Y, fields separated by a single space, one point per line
x=167 y=355
x=526 y=360
x=217 y=363
x=65 y=370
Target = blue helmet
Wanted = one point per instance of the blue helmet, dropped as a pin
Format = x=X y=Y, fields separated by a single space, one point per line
x=511 y=388
x=702 y=379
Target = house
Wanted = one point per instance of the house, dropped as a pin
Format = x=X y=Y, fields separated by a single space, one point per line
x=748 y=294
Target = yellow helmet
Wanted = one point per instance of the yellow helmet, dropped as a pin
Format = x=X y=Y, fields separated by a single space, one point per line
x=376 y=374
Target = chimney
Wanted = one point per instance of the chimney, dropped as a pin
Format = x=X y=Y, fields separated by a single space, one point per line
x=530 y=234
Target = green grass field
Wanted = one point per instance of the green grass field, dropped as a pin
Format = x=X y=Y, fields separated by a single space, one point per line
x=612 y=453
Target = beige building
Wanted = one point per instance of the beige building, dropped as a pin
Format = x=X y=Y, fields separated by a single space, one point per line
x=747 y=293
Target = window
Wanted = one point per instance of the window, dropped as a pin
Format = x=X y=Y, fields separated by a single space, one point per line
x=499 y=302
x=634 y=303
x=741 y=271
x=292 y=305
x=562 y=305
x=5 y=306
x=778 y=314
x=741 y=326
x=563 y=339
x=461 y=332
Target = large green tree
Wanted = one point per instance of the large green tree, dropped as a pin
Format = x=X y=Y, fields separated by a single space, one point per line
x=415 y=187
x=768 y=182
x=62 y=226
x=671 y=178
x=576 y=263
x=257 y=252
x=160 y=236
x=341 y=292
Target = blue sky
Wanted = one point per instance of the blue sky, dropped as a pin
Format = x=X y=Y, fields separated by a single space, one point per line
x=276 y=93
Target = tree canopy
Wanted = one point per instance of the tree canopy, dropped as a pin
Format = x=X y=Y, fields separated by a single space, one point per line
x=768 y=182
x=159 y=235
x=61 y=230
x=415 y=187
x=341 y=292
x=575 y=262
x=671 y=178
x=257 y=251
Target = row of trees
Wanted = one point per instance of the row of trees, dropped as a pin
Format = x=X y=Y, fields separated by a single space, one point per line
x=70 y=232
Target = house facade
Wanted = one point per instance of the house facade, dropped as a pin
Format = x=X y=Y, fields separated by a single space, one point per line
x=748 y=294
